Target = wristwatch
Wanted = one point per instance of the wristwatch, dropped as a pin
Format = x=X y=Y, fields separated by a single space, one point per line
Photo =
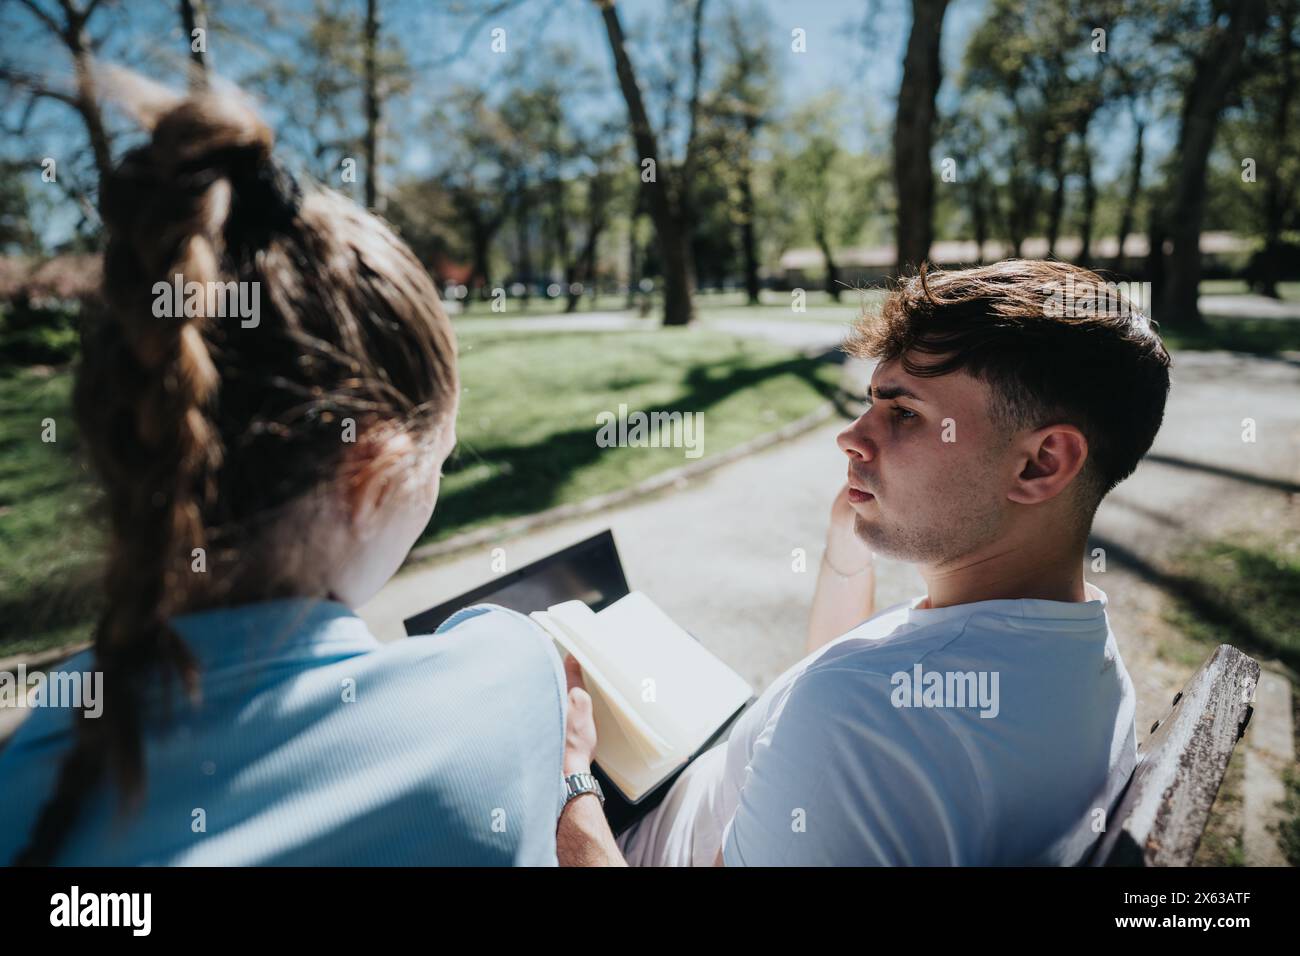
x=576 y=784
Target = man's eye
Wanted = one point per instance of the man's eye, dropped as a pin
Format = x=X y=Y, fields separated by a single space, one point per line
x=903 y=413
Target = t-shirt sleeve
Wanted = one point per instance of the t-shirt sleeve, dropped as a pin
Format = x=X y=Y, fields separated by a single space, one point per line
x=844 y=778
x=486 y=621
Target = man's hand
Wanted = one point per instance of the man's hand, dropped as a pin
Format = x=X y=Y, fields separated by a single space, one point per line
x=583 y=836
x=846 y=581
x=845 y=550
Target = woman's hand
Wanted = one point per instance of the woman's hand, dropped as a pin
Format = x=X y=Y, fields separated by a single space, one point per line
x=579 y=725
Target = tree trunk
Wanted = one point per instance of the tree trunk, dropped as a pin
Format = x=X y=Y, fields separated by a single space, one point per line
x=1213 y=75
x=524 y=241
x=914 y=134
x=88 y=101
x=480 y=278
x=1129 y=213
x=1089 y=204
x=1275 y=201
x=1156 y=235
x=194 y=16
x=1057 y=208
x=832 y=270
x=748 y=238
x=670 y=227
x=978 y=215
x=374 y=195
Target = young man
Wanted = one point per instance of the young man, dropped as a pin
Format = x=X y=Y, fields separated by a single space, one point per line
x=989 y=721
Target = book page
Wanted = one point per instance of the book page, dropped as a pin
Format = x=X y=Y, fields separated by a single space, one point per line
x=627 y=748
x=674 y=683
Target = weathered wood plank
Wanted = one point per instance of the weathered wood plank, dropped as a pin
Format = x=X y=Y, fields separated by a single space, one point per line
x=1161 y=815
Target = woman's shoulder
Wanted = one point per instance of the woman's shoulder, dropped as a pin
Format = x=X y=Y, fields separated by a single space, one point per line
x=493 y=636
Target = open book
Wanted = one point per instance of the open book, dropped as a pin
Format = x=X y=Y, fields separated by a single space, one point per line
x=657 y=695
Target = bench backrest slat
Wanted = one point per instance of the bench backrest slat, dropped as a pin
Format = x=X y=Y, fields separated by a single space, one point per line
x=1162 y=813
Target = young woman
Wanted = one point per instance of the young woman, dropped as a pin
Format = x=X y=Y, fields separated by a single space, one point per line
x=265 y=471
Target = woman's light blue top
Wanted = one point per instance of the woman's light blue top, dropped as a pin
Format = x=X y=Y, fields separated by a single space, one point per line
x=315 y=744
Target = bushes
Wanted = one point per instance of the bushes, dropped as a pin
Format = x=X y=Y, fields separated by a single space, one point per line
x=45 y=332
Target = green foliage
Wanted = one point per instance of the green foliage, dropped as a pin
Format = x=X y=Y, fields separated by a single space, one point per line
x=32 y=335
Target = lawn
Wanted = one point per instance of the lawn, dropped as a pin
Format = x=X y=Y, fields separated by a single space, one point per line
x=527 y=435
x=47 y=541
x=528 y=414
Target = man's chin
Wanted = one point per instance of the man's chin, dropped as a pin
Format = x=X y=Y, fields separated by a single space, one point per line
x=870 y=531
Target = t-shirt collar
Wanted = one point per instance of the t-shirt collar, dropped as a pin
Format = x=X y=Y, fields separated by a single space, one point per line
x=294 y=627
x=1021 y=607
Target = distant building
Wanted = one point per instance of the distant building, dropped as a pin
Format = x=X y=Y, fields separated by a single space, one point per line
x=65 y=278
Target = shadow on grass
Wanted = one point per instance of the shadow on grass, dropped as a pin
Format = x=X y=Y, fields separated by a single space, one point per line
x=1224 y=593
x=1262 y=481
x=59 y=603
x=529 y=477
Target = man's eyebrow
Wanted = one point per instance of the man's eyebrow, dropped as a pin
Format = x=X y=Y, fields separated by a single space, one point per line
x=887 y=392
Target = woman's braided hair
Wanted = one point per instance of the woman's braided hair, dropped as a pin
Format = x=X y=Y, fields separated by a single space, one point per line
x=206 y=429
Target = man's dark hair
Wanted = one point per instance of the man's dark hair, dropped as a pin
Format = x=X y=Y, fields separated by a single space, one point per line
x=1055 y=343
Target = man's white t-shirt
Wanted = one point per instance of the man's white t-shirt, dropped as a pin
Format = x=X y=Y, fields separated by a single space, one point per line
x=999 y=732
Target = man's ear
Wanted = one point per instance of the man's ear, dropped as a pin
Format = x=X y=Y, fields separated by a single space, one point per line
x=1049 y=459
x=369 y=470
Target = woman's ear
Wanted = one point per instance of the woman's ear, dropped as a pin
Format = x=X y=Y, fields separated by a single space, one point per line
x=372 y=471
x=1050 y=458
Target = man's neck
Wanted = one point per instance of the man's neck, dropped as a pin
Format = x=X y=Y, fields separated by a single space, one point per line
x=1005 y=572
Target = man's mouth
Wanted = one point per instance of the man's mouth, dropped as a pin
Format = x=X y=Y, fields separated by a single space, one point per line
x=857 y=493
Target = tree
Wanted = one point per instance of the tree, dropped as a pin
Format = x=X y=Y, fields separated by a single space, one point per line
x=914 y=134
x=742 y=103
x=370 y=57
x=667 y=190
x=194 y=17
x=1267 y=130
x=830 y=191
x=484 y=164
x=331 y=89
x=1215 y=68
x=68 y=23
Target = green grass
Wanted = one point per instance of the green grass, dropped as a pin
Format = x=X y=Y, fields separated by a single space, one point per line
x=48 y=542
x=1244 y=592
x=817 y=305
x=1255 y=336
x=527 y=442
x=1288 y=291
x=1288 y=830
x=527 y=423
x=540 y=305
x=1221 y=843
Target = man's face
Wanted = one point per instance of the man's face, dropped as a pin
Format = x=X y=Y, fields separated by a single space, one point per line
x=929 y=468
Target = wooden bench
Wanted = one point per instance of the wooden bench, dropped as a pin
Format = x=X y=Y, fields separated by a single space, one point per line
x=1160 y=816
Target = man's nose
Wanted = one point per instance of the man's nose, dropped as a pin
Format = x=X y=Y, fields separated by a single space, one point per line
x=855 y=442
